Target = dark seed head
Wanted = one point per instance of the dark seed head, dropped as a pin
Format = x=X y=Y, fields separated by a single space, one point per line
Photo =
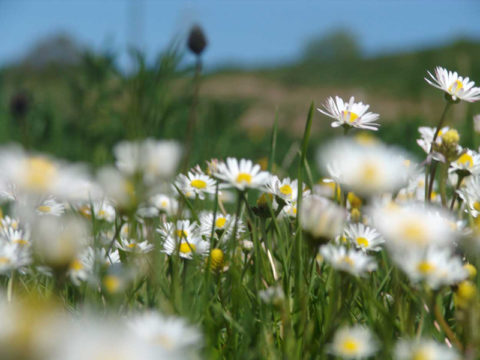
x=19 y=104
x=196 y=40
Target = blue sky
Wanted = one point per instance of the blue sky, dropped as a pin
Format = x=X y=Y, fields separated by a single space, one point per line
x=245 y=32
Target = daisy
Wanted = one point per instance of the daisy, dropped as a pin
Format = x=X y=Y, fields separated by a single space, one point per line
x=285 y=189
x=81 y=267
x=182 y=229
x=353 y=343
x=321 y=218
x=50 y=207
x=365 y=170
x=195 y=183
x=414 y=225
x=133 y=246
x=12 y=257
x=224 y=225
x=241 y=174
x=172 y=335
x=457 y=87
x=423 y=349
x=352 y=261
x=470 y=194
x=150 y=158
x=186 y=248
x=467 y=164
x=349 y=114
x=164 y=203
x=435 y=266
x=364 y=237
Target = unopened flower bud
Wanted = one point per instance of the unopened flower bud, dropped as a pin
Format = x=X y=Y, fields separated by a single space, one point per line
x=197 y=40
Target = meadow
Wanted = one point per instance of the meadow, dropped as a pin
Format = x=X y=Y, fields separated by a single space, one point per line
x=319 y=210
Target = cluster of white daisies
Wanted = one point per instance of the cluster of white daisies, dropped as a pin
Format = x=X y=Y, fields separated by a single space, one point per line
x=62 y=220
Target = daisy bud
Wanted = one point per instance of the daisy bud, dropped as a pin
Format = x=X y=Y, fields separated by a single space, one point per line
x=197 y=40
x=216 y=259
x=465 y=293
x=472 y=270
x=19 y=104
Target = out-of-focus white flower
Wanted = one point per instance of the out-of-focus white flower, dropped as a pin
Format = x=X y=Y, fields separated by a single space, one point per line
x=476 y=123
x=355 y=342
x=352 y=261
x=13 y=257
x=414 y=225
x=164 y=203
x=321 y=218
x=117 y=187
x=364 y=237
x=50 y=207
x=102 y=210
x=366 y=170
x=154 y=160
x=435 y=266
x=57 y=241
x=272 y=294
x=241 y=174
x=195 y=184
x=93 y=337
x=423 y=349
x=350 y=114
x=41 y=175
x=172 y=336
x=454 y=85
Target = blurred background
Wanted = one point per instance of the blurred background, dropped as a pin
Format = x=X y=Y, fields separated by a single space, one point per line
x=78 y=76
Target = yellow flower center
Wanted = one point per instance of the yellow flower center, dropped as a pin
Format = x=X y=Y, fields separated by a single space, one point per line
x=455 y=87
x=244 y=178
x=425 y=267
x=39 y=173
x=476 y=205
x=44 y=208
x=465 y=160
x=422 y=354
x=21 y=242
x=472 y=270
x=76 y=265
x=370 y=172
x=348 y=260
x=220 y=222
x=164 y=204
x=350 y=346
x=181 y=233
x=198 y=184
x=363 y=242
x=187 y=248
x=112 y=283
x=131 y=245
x=164 y=341
x=414 y=231
x=4 y=260
x=349 y=116
x=286 y=189
x=466 y=290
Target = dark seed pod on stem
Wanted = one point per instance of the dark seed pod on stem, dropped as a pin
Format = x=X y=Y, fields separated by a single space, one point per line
x=197 y=40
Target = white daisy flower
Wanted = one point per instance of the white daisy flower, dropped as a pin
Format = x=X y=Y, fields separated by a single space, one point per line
x=224 y=225
x=349 y=114
x=133 y=246
x=285 y=189
x=195 y=183
x=289 y=210
x=172 y=335
x=186 y=248
x=117 y=187
x=365 y=170
x=50 y=207
x=355 y=342
x=352 y=261
x=364 y=237
x=13 y=257
x=165 y=203
x=470 y=194
x=414 y=225
x=272 y=294
x=321 y=218
x=457 y=87
x=150 y=158
x=241 y=174
x=435 y=266
x=81 y=267
x=468 y=163
x=182 y=229
x=423 y=349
